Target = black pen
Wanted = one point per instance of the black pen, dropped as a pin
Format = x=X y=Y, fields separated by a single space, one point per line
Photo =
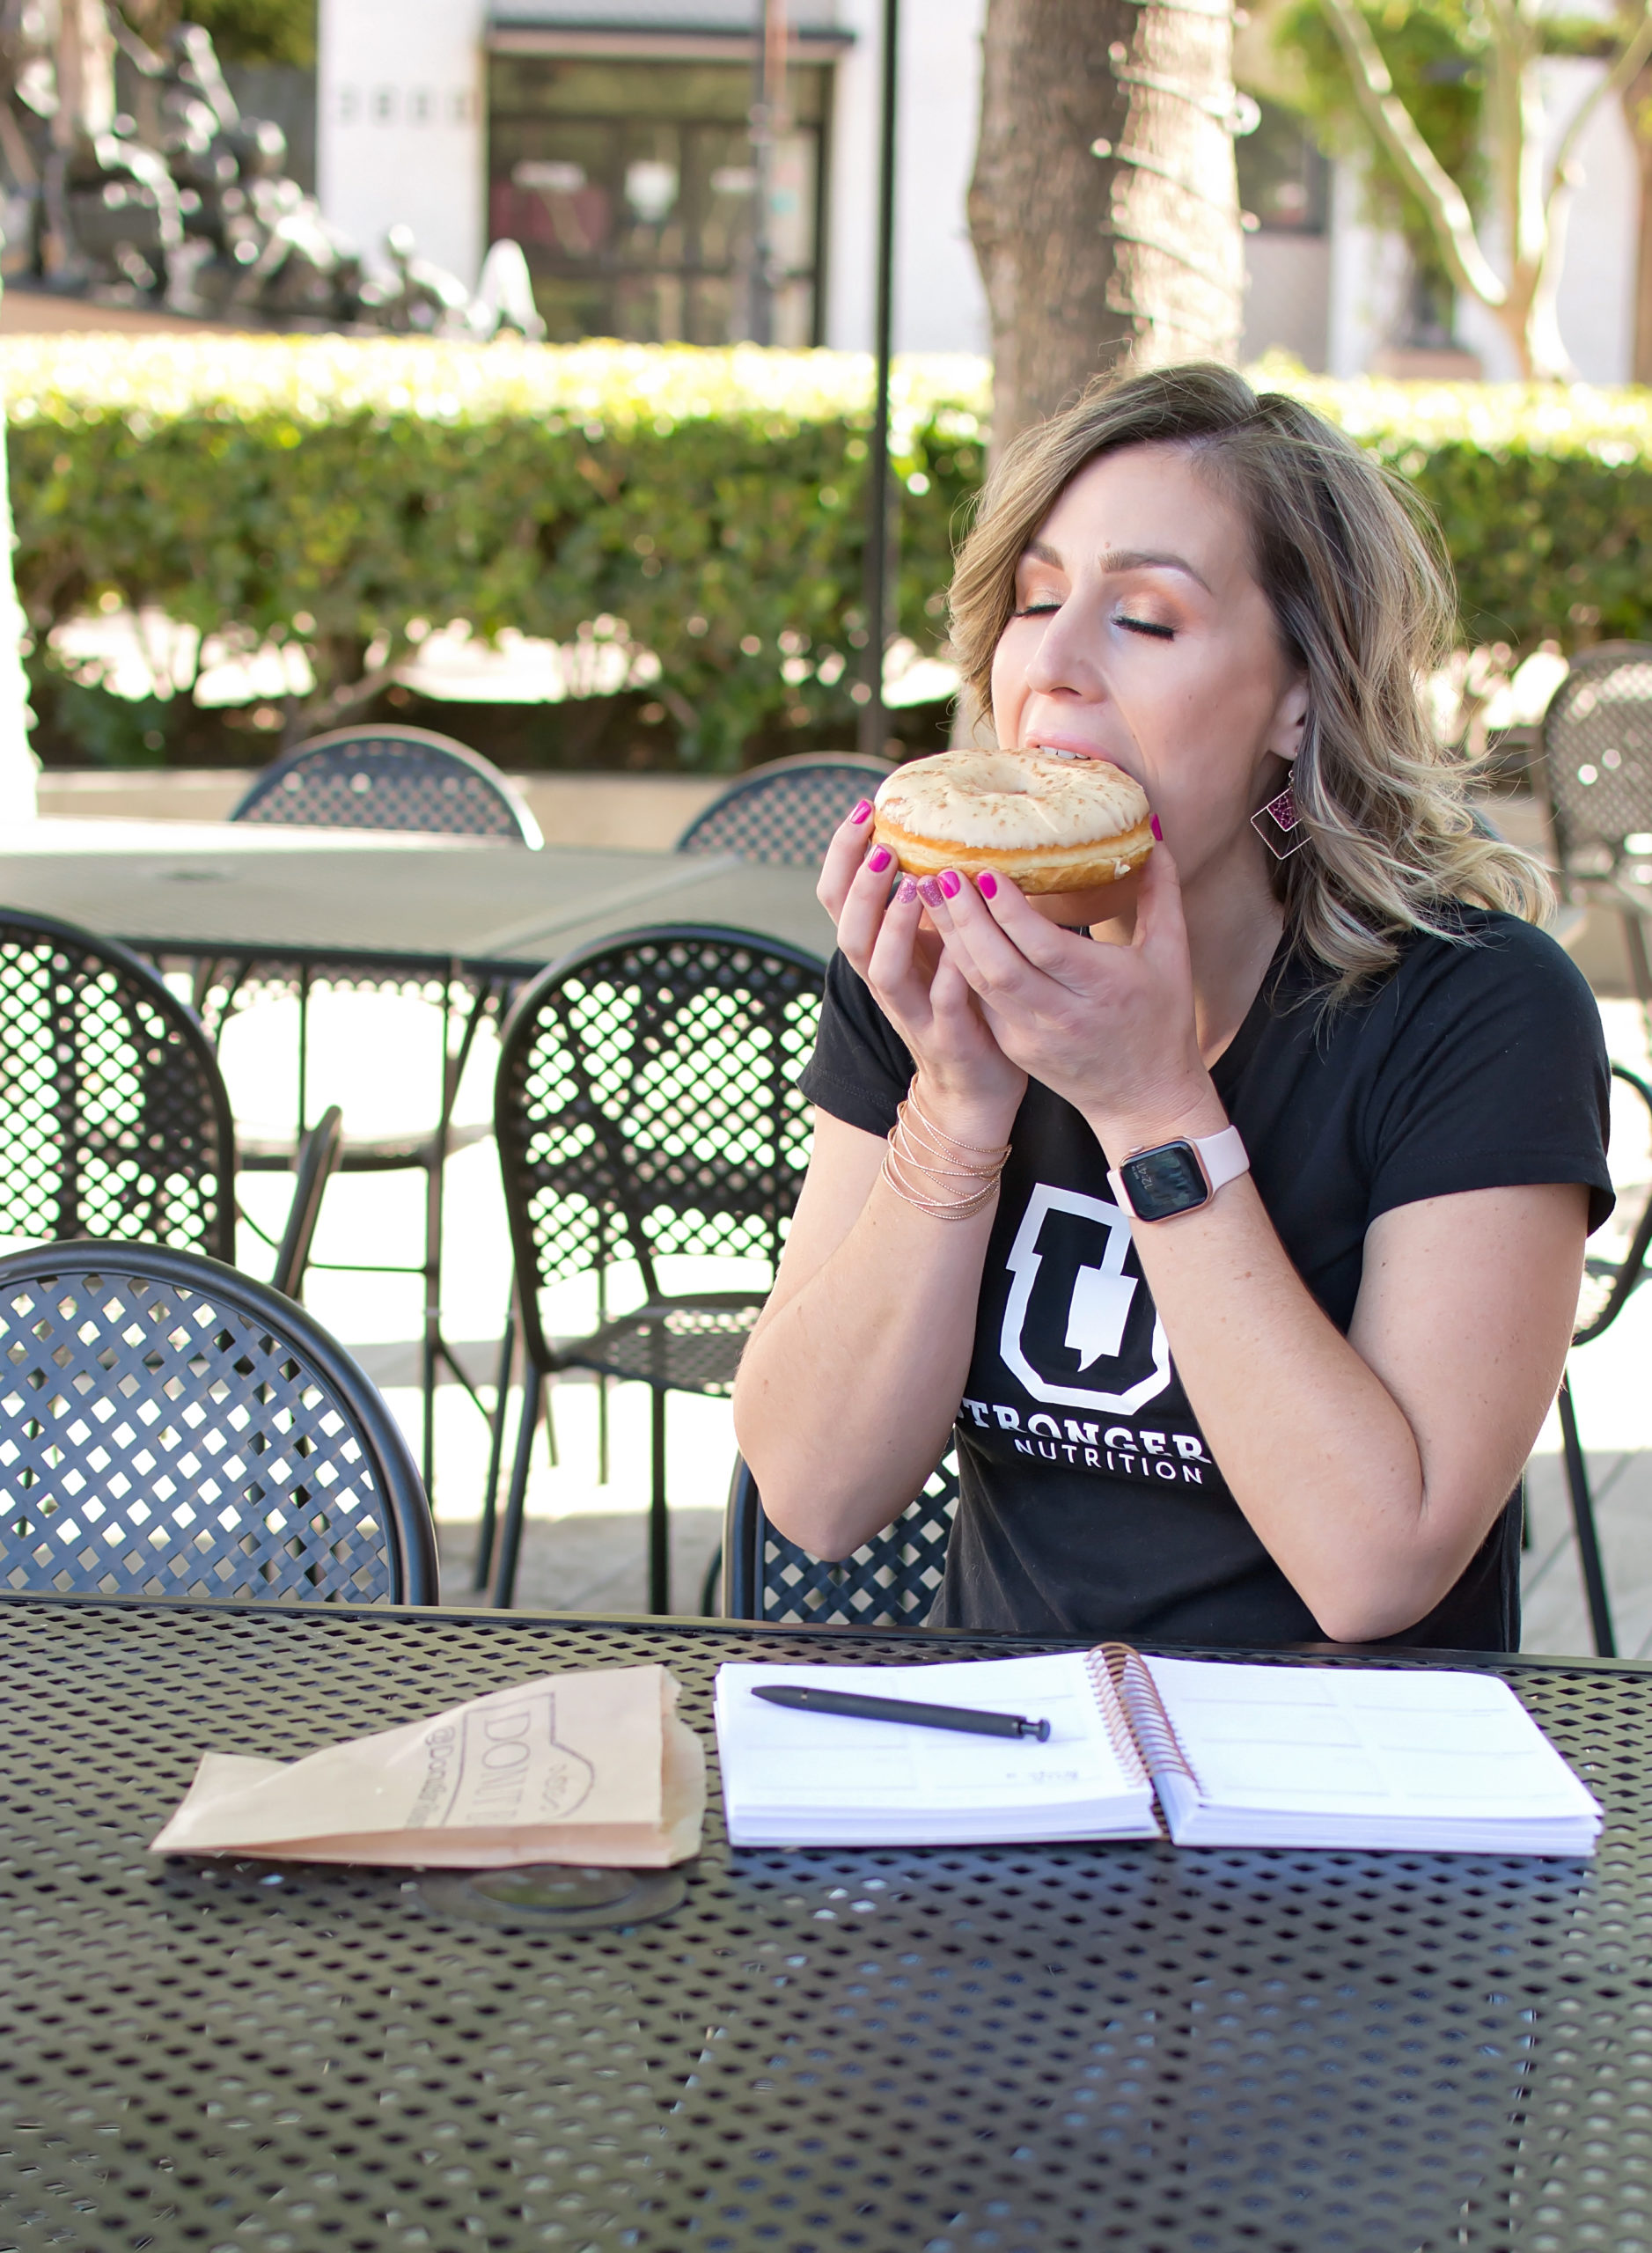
x=807 y=1701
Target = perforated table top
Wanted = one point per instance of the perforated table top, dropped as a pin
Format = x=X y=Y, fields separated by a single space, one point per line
x=917 y=2052
x=416 y=901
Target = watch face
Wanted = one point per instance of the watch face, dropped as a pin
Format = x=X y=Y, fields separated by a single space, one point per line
x=1165 y=1181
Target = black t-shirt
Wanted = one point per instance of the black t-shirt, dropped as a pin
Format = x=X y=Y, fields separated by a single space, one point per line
x=1090 y=1503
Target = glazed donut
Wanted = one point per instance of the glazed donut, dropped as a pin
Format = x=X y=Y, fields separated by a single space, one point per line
x=1048 y=822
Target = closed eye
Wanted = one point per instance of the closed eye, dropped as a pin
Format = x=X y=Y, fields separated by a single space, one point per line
x=1148 y=625
x=1045 y=607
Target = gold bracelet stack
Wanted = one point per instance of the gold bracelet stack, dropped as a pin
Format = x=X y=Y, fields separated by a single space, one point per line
x=914 y=1140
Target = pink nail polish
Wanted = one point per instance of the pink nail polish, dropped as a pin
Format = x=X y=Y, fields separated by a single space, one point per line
x=930 y=892
x=907 y=891
x=879 y=859
x=1153 y=824
x=987 y=884
x=861 y=812
x=951 y=885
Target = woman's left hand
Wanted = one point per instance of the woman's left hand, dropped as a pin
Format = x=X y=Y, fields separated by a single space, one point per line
x=1110 y=1028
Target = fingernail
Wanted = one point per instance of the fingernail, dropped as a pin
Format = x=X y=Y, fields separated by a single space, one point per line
x=1153 y=824
x=907 y=892
x=987 y=884
x=862 y=811
x=879 y=859
x=951 y=885
x=930 y=892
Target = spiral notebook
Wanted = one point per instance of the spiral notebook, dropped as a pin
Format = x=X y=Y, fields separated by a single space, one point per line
x=1213 y=1753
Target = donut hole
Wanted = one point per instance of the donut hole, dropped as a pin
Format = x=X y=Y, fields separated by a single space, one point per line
x=1010 y=778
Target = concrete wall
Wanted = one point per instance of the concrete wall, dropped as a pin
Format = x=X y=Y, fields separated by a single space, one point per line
x=1596 y=298
x=1366 y=278
x=1287 y=301
x=401 y=133
x=939 y=303
x=639 y=813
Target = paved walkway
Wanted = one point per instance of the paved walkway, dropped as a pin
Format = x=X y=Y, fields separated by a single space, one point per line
x=1556 y=1619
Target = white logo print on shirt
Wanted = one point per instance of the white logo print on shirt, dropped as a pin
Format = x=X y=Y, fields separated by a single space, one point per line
x=1097 y=1311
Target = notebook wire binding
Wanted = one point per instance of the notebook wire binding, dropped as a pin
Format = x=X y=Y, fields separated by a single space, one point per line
x=1133 y=1695
x=1103 y=1689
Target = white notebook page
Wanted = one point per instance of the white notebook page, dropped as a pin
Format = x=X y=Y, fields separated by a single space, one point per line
x=1407 y=1743
x=773 y=1757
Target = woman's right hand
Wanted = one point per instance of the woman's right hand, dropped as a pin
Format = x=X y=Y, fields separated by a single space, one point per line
x=965 y=1082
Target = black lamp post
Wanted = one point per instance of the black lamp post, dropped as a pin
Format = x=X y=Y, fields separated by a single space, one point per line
x=768 y=121
x=878 y=581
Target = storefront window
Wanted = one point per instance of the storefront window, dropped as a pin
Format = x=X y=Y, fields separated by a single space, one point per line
x=631 y=188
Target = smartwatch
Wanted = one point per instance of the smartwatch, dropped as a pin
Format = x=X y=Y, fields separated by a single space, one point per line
x=1178 y=1177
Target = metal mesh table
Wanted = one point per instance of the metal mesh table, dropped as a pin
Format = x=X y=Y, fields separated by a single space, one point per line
x=404 y=902
x=463 y=922
x=1019 y=2050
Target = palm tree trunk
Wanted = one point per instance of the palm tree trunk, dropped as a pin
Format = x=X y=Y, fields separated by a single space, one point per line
x=1104 y=208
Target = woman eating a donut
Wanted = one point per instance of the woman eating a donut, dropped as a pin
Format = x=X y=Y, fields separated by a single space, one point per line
x=1240 y=1250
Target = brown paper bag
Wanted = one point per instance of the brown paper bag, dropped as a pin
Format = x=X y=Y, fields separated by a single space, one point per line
x=592 y=1768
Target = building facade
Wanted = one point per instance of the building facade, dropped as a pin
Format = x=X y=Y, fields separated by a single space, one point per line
x=612 y=138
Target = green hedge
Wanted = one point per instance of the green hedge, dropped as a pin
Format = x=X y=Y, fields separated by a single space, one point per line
x=706 y=505
x=1544 y=495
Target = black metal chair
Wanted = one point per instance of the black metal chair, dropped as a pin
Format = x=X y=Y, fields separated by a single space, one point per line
x=1596 y=775
x=390 y=778
x=381 y=778
x=1607 y=1287
x=113 y=1118
x=169 y=1427
x=891 y=1582
x=647 y=1107
x=785 y=813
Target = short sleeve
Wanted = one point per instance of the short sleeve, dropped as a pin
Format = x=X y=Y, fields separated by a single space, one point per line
x=1495 y=1075
x=861 y=1068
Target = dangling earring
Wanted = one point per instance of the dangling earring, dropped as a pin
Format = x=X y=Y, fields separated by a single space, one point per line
x=1280 y=825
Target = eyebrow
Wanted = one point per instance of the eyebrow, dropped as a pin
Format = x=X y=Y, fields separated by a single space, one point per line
x=1129 y=559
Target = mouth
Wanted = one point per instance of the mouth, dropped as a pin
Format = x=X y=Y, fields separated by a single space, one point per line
x=1063 y=748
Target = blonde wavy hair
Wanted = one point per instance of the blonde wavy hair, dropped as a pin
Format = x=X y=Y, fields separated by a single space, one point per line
x=1355 y=572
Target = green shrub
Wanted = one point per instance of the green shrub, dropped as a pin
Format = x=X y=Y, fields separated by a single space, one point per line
x=1544 y=495
x=705 y=508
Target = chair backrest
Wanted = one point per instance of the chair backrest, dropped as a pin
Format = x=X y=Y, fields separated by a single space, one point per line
x=646 y=1104
x=785 y=813
x=1607 y=1282
x=390 y=778
x=113 y=1119
x=1596 y=764
x=171 y=1427
x=891 y=1582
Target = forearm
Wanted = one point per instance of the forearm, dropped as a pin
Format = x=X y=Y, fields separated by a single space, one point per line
x=1369 y=1465
x=1315 y=1449
x=851 y=1384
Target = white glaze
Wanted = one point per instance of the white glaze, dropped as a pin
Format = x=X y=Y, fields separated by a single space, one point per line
x=1011 y=801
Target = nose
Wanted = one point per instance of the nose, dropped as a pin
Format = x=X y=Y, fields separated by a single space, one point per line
x=1068 y=659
